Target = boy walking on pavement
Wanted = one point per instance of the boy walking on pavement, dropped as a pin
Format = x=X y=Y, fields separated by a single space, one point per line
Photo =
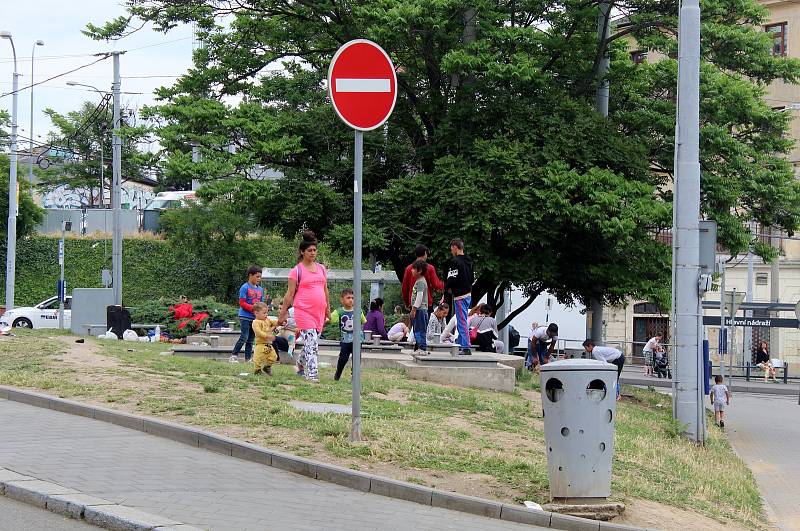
x=419 y=308
x=264 y=330
x=344 y=317
x=250 y=292
x=459 y=284
x=720 y=397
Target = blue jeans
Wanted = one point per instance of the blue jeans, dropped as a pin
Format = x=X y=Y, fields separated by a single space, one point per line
x=541 y=353
x=421 y=328
x=246 y=338
x=461 y=309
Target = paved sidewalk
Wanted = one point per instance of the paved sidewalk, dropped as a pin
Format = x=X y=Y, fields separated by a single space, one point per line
x=196 y=486
x=765 y=431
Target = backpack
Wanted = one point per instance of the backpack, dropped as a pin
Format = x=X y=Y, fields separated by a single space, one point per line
x=513 y=338
x=473 y=332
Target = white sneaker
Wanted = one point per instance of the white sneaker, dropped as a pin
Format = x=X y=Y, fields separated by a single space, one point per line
x=233 y=359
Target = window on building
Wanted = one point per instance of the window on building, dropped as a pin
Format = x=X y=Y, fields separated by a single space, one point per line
x=638 y=56
x=778 y=32
x=647 y=308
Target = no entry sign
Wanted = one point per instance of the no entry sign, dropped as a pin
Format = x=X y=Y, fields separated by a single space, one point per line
x=362 y=84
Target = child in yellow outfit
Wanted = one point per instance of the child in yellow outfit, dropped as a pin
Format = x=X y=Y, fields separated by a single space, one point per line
x=263 y=327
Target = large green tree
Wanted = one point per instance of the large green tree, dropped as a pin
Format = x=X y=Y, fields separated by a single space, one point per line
x=494 y=137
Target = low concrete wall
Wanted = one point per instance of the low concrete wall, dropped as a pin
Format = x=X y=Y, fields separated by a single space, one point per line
x=498 y=378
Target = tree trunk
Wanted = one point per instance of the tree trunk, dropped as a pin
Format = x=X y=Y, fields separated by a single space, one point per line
x=481 y=287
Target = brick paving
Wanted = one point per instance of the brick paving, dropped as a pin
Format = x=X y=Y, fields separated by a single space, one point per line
x=199 y=487
x=765 y=431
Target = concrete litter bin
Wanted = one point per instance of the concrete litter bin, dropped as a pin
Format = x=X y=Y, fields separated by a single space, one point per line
x=579 y=403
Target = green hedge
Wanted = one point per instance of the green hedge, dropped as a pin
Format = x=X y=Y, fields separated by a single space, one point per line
x=151 y=267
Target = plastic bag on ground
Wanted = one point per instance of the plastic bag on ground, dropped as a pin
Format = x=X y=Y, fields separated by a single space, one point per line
x=129 y=335
x=108 y=335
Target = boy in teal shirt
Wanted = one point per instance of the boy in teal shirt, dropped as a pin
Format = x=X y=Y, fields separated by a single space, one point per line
x=344 y=317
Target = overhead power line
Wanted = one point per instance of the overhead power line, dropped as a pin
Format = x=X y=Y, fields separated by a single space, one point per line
x=103 y=58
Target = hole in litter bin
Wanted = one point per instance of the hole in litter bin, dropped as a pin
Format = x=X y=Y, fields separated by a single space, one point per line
x=564 y=431
x=596 y=390
x=602 y=447
x=560 y=469
x=609 y=416
x=551 y=448
x=554 y=389
x=583 y=456
x=580 y=432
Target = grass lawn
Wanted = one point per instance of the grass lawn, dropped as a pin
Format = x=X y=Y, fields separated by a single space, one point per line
x=471 y=441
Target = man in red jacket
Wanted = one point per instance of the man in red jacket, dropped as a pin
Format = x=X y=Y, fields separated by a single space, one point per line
x=434 y=284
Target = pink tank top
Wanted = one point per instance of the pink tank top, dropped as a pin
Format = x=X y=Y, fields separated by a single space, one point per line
x=309 y=299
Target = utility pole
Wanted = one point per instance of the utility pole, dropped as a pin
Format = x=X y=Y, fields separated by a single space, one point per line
x=116 y=195
x=601 y=104
x=747 y=343
x=13 y=207
x=30 y=141
x=775 y=293
x=687 y=386
x=723 y=330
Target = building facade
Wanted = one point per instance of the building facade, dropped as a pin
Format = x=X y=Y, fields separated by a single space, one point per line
x=632 y=324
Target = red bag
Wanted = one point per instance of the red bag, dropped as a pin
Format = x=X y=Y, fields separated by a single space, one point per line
x=182 y=310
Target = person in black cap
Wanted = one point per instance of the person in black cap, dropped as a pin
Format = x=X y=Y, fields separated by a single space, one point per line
x=540 y=337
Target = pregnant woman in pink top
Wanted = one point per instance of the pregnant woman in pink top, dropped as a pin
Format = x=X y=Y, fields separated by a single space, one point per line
x=308 y=293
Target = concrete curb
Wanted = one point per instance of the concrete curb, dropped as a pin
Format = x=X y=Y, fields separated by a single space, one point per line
x=313 y=469
x=74 y=504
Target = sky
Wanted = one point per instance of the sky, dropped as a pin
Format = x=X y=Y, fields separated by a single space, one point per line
x=151 y=60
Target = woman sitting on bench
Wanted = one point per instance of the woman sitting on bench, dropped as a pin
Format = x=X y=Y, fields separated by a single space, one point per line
x=762 y=360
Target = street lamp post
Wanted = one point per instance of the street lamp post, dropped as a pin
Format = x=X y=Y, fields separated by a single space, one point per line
x=103 y=129
x=11 y=249
x=30 y=132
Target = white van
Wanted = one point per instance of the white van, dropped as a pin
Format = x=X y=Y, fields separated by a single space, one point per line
x=165 y=200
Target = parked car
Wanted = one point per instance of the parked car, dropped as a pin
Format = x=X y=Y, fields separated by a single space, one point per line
x=43 y=315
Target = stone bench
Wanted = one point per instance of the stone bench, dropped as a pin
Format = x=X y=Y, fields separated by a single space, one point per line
x=479 y=371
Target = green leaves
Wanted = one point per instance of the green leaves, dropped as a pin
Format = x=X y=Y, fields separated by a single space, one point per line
x=494 y=137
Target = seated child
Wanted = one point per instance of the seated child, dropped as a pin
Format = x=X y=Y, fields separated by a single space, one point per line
x=264 y=355
x=437 y=324
x=399 y=331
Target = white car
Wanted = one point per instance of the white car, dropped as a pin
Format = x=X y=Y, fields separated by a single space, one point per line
x=43 y=315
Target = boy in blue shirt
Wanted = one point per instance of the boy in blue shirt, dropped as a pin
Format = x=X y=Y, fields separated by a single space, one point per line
x=250 y=293
x=344 y=317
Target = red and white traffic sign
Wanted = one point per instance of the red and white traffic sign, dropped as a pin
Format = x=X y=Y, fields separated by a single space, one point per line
x=362 y=84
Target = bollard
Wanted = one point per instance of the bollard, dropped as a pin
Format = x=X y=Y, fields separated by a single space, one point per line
x=579 y=402
x=747 y=372
x=214 y=340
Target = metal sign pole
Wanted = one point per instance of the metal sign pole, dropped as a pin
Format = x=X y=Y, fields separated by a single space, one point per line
x=62 y=289
x=355 y=428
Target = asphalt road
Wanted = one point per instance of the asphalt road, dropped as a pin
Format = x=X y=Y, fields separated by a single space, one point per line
x=18 y=516
x=765 y=431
